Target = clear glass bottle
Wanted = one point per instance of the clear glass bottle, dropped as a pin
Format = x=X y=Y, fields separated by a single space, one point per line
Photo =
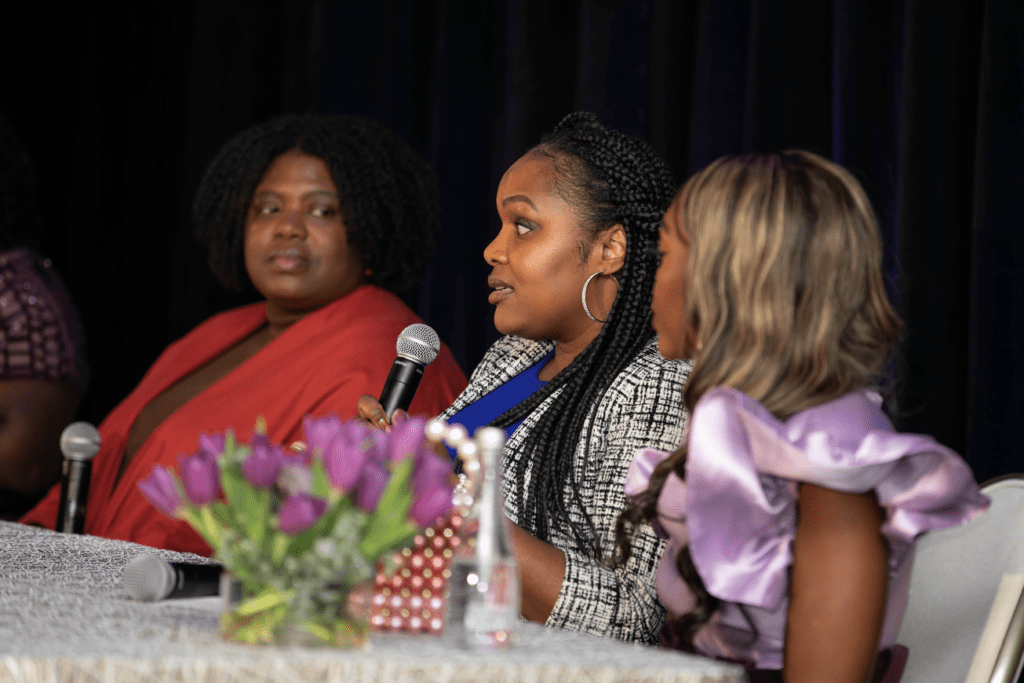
x=483 y=589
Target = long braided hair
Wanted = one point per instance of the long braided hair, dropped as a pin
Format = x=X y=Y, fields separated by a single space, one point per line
x=611 y=179
x=389 y=198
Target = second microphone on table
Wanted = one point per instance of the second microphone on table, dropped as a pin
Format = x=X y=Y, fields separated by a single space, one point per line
x=149 y=577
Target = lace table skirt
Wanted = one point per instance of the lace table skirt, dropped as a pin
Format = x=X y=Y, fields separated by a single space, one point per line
x=65 y=617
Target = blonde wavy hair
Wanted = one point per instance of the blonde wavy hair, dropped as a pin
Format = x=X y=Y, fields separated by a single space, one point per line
x=785 y=300
x=784 y=288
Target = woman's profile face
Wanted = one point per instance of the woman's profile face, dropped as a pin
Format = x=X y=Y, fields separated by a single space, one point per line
x=297 y=252
x=537 y=275
x=668 y=302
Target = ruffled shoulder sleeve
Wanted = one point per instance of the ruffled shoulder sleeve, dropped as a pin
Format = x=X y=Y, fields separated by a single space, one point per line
x=744 y=465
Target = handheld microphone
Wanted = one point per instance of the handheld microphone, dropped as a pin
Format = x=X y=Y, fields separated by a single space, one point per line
x=149 y=577
x=79 y=442
x=417 y=346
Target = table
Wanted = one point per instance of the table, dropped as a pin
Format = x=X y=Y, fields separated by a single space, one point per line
x=64 y=617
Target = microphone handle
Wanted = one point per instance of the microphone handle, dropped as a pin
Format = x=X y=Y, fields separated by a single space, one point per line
x=400 y=386
x=195 y=580
x=74 y=491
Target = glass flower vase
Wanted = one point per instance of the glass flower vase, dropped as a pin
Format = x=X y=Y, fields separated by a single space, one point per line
x=307 y=615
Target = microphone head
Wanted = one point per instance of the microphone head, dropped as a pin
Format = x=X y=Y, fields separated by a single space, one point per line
x=148 y=577
x=419 y=343
x=80 y=441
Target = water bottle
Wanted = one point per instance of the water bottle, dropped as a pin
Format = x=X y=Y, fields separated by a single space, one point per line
x=483 y=589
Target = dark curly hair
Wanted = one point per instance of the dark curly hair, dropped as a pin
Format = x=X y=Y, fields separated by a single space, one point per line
x=612 y=179
x=389 y=197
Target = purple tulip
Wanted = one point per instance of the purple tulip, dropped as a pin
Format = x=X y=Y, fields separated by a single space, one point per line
x=371 y=485
x=406 y=437
x=262 y=466
x=430 y=472
x=356 y=430
x=373 y=441
x=299 y=512
x=212 y=445
x=159 y=488
x=433 y=503
x=343 y=461
x=200 y=478
x=319 y=432
x=258 y=440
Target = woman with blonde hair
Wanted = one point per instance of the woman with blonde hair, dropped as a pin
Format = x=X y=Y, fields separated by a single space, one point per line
x=792 y=506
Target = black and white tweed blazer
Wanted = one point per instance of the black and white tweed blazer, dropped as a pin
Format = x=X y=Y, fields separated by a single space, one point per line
x=642 y=408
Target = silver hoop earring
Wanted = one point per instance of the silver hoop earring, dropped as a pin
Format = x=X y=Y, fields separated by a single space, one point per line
x=586 y=309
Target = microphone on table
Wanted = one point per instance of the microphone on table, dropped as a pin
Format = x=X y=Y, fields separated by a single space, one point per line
x=79 y=442
x=149 y=577
x=417 y=346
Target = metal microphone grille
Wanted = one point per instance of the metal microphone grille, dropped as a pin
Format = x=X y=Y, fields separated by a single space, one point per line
x=420 y=343
x=79 y=441
x=148 y=578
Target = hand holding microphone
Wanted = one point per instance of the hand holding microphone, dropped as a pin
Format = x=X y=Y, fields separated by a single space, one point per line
x=417 y=347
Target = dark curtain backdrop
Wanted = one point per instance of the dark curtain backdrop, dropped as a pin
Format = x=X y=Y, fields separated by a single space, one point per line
x=922 y=99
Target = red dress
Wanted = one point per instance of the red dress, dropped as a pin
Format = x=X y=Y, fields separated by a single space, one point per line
x=320 y=365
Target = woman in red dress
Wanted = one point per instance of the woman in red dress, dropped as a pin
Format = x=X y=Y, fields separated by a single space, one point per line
x=329 y=218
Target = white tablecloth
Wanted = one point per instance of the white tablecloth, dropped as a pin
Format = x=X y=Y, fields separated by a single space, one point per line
x=65 y=617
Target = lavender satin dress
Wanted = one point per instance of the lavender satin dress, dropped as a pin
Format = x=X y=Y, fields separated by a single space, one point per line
x=737 y=507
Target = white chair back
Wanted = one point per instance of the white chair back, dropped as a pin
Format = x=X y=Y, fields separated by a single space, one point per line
x=955 y=594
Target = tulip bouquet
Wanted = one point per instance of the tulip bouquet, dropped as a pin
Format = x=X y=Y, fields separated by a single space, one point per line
x=300 y=529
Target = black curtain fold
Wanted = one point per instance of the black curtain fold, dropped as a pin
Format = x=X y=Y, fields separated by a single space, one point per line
x=923 y=101
x=994 y=363
x=936 y=169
